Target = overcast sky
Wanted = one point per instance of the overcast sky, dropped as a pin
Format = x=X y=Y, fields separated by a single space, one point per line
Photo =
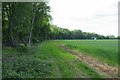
x=99 y=16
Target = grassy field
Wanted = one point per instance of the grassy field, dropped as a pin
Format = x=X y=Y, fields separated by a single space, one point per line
x=105 y=50
x=48 y=60
x=44 y=60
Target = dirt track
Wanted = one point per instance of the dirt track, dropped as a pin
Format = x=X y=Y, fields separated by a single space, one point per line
x=102 y=68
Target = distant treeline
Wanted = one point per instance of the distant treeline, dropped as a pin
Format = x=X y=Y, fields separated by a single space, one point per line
x=62 y=33
x=28 y=23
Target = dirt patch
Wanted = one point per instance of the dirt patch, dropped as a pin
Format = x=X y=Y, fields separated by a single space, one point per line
x=102 y=68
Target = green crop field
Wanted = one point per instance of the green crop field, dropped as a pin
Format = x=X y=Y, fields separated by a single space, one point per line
x=48 y=60
x=105 y=50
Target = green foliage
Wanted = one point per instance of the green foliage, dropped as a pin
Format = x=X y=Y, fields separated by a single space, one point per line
x=22 y=49
x=62 y=33
x=18 y=64
x=17 y=19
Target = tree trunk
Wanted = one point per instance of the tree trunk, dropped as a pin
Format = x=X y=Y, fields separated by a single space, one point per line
x=31 y=27
x=10 y=18
x=10 y=32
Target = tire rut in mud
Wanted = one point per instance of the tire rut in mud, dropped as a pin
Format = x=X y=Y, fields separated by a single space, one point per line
x=102 y=68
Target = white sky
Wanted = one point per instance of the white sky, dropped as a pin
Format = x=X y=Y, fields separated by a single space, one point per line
x=99 y=16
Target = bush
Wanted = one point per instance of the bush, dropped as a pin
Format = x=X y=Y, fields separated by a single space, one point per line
x=22 y=48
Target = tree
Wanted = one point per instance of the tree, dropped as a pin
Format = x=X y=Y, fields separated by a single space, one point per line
x=22 y=20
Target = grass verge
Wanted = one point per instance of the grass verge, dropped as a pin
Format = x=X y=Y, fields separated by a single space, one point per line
x=45 y=60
